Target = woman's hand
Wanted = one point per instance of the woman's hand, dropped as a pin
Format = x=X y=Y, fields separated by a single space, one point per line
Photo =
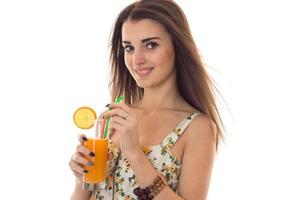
x=78 y=161
x=124 y=122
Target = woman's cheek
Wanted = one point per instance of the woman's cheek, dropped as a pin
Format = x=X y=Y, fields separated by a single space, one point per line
x=128 y=60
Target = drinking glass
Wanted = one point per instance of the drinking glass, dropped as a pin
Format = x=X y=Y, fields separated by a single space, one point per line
x=97 y=172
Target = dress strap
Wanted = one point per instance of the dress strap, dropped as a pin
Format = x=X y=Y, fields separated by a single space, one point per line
x=171 y=139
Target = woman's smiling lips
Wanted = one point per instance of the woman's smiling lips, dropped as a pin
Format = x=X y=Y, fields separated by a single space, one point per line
x=143 y=72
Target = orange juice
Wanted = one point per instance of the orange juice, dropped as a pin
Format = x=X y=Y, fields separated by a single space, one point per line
x=97 y=172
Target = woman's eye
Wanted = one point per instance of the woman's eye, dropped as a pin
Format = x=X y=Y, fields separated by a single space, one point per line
x=128 y=48
x=152 y=45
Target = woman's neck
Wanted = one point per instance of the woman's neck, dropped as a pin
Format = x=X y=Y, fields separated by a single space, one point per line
x=163 y=97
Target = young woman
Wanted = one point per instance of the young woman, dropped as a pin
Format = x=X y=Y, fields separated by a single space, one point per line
x=167 y=129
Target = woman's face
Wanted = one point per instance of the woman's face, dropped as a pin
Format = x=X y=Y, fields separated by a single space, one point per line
x=148 y=52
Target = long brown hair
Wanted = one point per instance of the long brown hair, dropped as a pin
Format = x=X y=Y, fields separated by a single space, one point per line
x=193 y=82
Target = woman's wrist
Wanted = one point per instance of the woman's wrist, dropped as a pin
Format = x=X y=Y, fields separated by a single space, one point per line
x=79 y=182
x=150 y=191
x=135 y=155
x=79 y=193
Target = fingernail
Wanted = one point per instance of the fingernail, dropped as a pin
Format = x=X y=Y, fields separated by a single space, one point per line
x=92 y=154
x=90 y=163
x=85 y=171
x=84 y=138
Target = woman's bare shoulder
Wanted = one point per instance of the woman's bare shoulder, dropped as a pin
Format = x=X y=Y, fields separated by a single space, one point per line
x=201 y=129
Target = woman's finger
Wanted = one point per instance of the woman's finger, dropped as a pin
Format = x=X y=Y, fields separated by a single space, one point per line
x=118 y=112
x=77 y=168
x=115 y=127
x=102 y=114
x=81 y=149
x=118 y=120
x=82 y=138
x=123 y=106
x=78 y=158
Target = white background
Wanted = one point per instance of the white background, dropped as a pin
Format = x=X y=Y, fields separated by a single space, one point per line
x=53 y=59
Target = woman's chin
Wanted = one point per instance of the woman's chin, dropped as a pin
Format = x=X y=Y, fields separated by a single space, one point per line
x=143 y=85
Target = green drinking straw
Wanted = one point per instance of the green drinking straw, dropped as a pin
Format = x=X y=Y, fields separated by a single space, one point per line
x=119 y=99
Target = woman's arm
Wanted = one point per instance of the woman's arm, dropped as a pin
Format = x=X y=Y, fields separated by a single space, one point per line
x=196 y=166
x=76 y=165
x=198 y=160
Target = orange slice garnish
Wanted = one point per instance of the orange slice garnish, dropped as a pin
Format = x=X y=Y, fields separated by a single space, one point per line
x=84 y=117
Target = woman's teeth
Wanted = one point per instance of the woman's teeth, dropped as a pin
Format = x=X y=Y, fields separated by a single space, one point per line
x=144 y=72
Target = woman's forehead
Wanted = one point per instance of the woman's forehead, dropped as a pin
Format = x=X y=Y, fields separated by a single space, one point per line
x=141 y=29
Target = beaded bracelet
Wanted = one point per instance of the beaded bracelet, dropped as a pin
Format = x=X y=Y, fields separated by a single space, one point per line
x=150 y=191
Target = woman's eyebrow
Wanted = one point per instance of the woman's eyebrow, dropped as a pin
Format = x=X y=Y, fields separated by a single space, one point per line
x=143 y=40
x=151 y=38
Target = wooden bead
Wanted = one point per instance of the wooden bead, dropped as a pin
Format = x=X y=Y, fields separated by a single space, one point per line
x=152 y=190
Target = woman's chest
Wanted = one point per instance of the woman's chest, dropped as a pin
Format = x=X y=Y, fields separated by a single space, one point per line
x=152 y=130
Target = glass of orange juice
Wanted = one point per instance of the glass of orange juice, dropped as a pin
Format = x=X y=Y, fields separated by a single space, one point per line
x=96 y=174
x=85 y=118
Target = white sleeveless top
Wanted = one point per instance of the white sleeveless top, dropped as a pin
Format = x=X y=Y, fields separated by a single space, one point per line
x=120 y=183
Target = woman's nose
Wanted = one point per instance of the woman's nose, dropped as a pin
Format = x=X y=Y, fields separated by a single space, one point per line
x=138 y=57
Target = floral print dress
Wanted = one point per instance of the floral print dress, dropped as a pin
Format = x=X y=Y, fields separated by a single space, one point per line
x=121 y=181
